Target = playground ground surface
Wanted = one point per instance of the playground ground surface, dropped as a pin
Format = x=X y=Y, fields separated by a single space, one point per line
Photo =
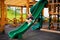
x=31 y=35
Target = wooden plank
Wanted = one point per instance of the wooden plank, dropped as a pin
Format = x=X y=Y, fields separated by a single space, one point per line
x=18 y=3
x=47 y=30
x=53 y=3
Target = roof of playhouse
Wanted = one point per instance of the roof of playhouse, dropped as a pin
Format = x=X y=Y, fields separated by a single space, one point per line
x=19 y=2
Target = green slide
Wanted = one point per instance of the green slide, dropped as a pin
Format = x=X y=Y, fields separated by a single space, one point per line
x=36 y=10
x=39 y=23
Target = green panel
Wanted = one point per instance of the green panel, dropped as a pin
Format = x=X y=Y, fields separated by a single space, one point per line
x=36 y=26
x=24 y=27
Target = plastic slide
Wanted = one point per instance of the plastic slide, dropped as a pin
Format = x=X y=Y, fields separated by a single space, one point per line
x=39 y=23
x=35 y=10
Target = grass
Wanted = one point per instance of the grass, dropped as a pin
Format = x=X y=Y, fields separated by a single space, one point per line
x=11 y=15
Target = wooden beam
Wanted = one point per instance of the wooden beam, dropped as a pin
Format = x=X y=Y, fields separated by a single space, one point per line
x=18 y=3
x=2 y=16
x=27 y=6
x=21 y=14
x=52 y=31
x=53 y=3
x=6 y=14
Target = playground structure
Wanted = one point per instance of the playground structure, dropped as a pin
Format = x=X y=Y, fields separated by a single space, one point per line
x=21 y=4
x=12 y=34
x=36 y=13
x=3 y=8
x=54 y=10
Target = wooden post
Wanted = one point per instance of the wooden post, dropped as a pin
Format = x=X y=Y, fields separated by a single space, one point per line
x=43 y=12
x=2 y=16
x=21 y=14
x=52 y=5
x=6 y=14
x=27 y=6
x=52 y=10
x=0 y=12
